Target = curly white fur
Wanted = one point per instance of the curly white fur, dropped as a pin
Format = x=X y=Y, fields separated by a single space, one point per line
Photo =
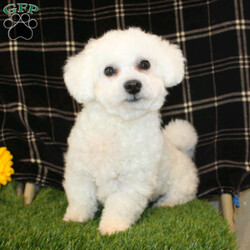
x=118 y=154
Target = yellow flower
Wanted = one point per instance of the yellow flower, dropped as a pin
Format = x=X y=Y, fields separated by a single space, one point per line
x=5 y=166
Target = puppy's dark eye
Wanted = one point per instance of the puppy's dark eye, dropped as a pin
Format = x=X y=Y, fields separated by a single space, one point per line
x=109 y=71
x=144 y=64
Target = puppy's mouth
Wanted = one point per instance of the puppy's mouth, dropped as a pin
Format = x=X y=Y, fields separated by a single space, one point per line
x=134 y=99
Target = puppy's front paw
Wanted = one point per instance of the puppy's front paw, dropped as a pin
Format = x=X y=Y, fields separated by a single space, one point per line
x=76 y=215
x=112 y=226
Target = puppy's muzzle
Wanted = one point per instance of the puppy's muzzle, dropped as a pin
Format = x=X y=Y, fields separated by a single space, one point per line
x=132 y=87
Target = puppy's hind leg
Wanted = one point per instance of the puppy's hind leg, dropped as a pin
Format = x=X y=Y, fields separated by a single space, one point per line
x=81 y=195
x=180 y=178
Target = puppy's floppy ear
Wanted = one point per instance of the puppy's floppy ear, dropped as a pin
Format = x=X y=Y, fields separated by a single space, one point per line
x=79 y=76
x=173 y=64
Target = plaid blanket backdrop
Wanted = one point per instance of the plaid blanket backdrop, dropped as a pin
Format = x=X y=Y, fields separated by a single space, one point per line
x=37 y=113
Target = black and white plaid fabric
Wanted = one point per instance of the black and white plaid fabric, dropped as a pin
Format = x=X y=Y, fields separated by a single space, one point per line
x=36 y=112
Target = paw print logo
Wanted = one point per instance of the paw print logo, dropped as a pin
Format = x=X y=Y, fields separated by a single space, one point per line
x=20 y=26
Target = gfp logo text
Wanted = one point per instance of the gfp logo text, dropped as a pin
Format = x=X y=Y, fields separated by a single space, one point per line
x=20 y=8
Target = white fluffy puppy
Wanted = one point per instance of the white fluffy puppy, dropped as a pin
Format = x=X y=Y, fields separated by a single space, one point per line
x=118 y=154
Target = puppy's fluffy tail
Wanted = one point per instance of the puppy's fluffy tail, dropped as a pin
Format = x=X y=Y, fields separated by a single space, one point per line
x=182 y=135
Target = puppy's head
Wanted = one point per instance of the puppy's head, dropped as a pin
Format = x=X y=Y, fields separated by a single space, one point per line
x=126 y=71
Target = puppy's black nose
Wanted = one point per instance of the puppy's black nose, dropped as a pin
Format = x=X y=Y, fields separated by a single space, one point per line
x=132 y=87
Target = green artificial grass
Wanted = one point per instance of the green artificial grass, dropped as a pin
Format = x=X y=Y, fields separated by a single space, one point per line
x=195 y=225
